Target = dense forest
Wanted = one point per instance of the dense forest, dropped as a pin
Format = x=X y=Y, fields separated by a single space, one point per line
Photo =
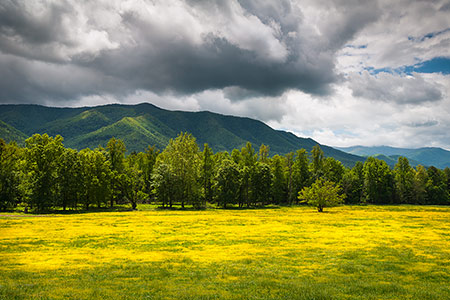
x=44 y=175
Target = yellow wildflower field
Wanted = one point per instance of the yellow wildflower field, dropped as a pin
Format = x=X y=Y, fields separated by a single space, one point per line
x=349 y=252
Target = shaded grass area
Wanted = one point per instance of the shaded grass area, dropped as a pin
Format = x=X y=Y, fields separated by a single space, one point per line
x=373 y=252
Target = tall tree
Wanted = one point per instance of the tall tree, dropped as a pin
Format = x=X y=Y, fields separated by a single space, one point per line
x=183 y=158
x=248 y=155
x=248 y=160
x=404 y=181
x=420 y=185
x=116 y=156
x=378 y=181
x=290 y=177
x=9 y=175
x=207 y=173
x=261 y=180
x=436 y=186
x=279 y=185
x=447 y=178
x=353 y=184
x=132 y=180
x=333 y=170
x=70 y=176
x=164 y=184
x=317 y=159
x=300 y=173
x=146 y=164
x=227 y=183
x=42 y=157
x=264 y=153
x=96 y=177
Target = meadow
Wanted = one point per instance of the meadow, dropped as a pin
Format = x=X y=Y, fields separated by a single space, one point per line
x=348 y=252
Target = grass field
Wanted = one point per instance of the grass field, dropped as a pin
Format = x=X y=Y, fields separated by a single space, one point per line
x=349 y=252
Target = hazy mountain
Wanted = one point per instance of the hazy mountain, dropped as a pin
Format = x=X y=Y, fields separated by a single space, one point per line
x=429 y=156
x=145 y=124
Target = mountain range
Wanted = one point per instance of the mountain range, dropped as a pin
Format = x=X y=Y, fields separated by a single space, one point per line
x=428 y=156
x=144 y=124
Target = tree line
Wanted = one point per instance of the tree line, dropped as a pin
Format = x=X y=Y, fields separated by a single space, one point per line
x=45 y=175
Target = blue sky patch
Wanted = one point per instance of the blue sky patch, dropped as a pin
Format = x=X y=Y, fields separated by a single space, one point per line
x=435 y=65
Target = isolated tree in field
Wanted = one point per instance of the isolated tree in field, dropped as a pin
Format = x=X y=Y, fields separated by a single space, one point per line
x=322 y=194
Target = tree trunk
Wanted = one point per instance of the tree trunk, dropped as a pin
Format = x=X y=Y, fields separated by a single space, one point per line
x=320 y=209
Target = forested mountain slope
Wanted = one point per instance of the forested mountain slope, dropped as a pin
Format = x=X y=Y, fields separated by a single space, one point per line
x=145 y=124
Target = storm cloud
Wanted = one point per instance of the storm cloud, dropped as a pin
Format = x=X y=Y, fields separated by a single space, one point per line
x=184 y=47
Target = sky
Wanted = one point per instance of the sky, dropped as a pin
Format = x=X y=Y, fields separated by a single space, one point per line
x=343 y=72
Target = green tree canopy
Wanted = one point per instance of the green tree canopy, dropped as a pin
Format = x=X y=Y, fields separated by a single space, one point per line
x=227 y=183
x=321 y=194
x=182 y=156
x=42 y=157
x=404 y=181
x=9 y=175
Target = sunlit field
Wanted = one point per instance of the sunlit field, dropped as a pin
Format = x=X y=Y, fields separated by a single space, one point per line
x=349 y=252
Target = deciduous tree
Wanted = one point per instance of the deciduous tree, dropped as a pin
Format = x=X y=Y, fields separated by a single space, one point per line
x=321 y=194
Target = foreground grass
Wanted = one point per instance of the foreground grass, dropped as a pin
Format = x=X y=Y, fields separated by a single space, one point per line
x=373 y=252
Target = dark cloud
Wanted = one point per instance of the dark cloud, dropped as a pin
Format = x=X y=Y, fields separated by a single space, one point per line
x=65 y=50
x=32 y=32
x=42 y=28
x=215 y=64
x=37 y=82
